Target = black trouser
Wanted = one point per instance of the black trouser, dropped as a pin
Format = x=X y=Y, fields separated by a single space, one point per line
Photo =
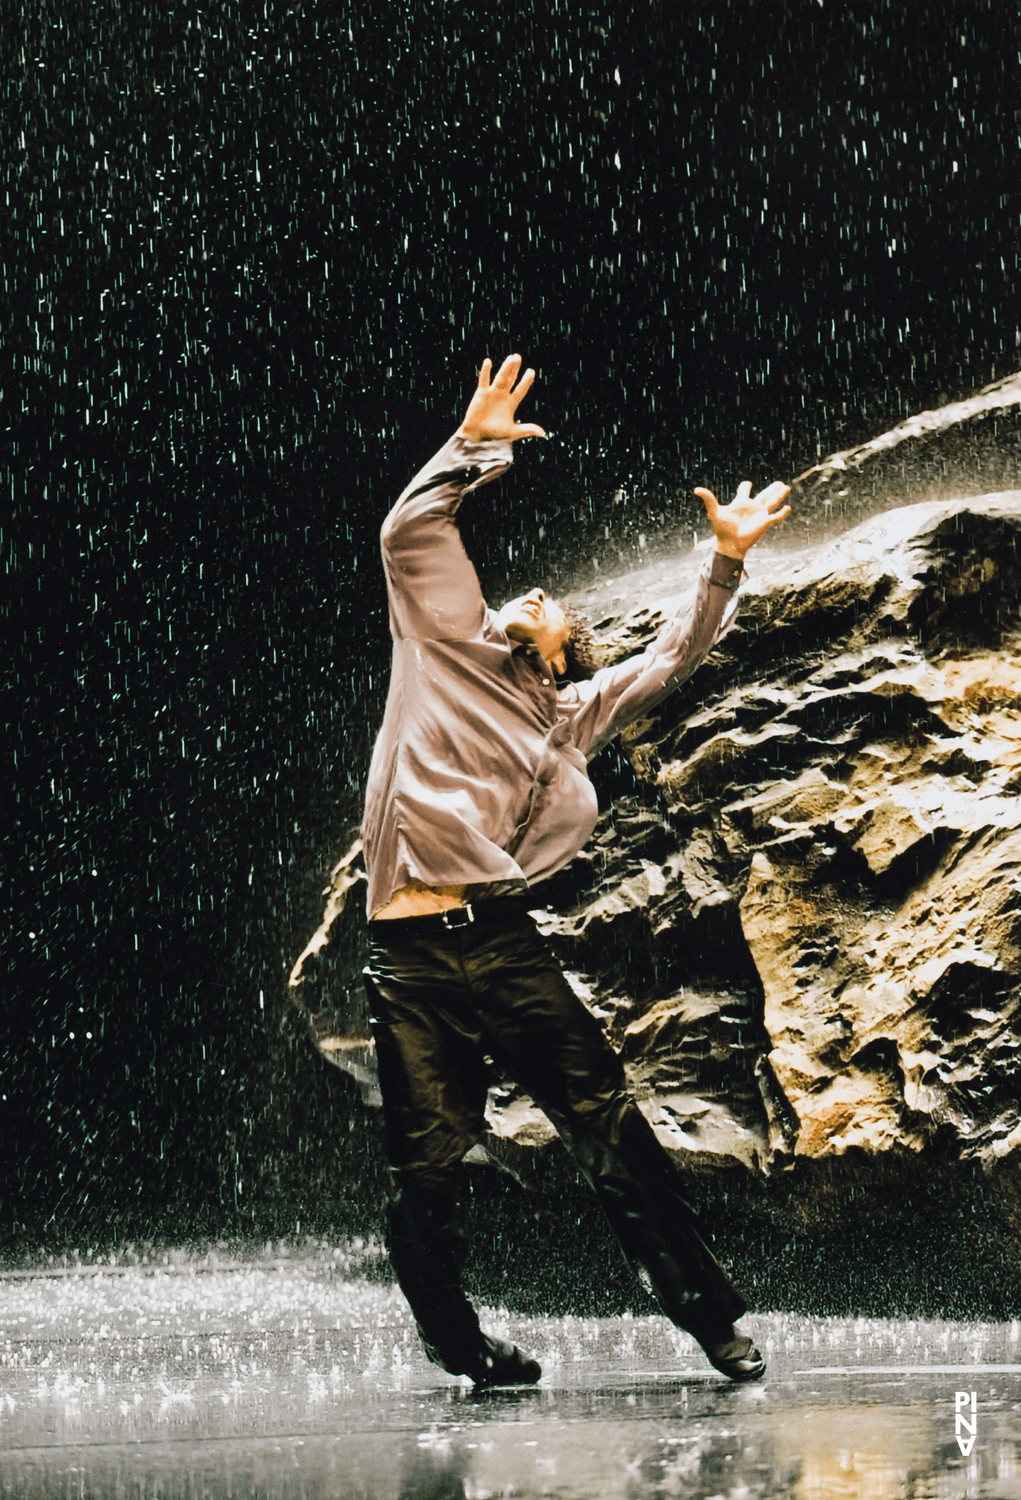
x=439 y=1000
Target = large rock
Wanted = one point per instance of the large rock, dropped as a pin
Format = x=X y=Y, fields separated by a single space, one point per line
x=840 y=844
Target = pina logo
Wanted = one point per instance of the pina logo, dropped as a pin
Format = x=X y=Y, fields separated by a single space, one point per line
x=963 y=1400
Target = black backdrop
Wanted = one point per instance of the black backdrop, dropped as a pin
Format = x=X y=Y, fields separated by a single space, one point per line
x=251 y=259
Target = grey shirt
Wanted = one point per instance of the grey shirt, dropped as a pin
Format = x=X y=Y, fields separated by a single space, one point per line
x=479 y=775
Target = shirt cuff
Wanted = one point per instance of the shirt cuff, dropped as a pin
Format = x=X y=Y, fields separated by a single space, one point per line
x=487 y=458
x=728 y=572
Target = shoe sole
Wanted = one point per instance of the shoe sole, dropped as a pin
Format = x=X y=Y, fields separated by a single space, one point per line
x=483 y=1384
x=740 y=1377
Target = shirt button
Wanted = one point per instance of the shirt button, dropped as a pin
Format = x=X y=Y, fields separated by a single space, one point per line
x=545 y=682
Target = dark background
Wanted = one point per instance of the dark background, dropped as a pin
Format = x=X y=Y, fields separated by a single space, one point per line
x=252 y=257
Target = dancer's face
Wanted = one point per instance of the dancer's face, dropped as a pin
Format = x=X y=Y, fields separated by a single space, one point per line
x=537 y=618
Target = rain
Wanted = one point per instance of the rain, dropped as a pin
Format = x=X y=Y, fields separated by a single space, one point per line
x=252 y=258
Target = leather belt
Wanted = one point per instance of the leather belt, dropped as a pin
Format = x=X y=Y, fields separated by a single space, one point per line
x=471 y=914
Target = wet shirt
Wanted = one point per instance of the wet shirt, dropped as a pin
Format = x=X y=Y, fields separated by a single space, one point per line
x=479 y=774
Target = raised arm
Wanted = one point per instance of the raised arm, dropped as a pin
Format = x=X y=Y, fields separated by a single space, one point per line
x=617 y=695
x=433 y=588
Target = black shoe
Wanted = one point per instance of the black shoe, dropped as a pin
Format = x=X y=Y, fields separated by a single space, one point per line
x=498 y=1363
x=728 y=1351
x=738 y=1358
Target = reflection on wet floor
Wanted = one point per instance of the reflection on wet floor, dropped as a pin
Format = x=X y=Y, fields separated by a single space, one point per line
x=294 y=1377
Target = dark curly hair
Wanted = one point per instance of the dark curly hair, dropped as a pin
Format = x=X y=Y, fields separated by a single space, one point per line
x=581 y=652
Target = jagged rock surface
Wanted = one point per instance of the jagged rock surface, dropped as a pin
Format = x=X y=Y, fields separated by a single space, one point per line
x=830 y=859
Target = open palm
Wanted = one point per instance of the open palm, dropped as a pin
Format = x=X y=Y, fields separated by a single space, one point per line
x=739 y=525
x=490 y=413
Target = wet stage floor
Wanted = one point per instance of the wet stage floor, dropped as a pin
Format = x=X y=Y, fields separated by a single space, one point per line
x=293 y=1376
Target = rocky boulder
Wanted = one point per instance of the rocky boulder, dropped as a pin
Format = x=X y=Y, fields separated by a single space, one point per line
x=829 y=860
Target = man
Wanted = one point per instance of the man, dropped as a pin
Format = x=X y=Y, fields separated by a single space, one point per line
x=478 y=788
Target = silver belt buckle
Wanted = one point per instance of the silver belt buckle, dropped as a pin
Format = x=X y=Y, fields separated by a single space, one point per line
x=458 y=916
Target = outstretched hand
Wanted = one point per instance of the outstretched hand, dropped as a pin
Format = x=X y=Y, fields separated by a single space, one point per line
x=739 y=525
x=490 y=413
